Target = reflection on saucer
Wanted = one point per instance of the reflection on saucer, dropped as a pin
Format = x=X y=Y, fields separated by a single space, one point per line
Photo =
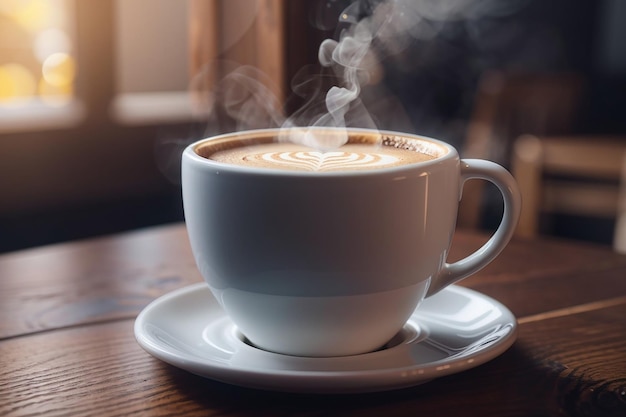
x=452 y=331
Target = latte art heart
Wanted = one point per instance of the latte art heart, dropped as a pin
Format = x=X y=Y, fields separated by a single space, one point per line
x=326 y=161
x=293 y=157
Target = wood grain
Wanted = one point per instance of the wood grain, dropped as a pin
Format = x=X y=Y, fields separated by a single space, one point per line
x=115 y=277
x=67 y=345
x=93 y=280
x=100 y=370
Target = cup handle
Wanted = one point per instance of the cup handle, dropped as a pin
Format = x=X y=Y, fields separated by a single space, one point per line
x=501 y=178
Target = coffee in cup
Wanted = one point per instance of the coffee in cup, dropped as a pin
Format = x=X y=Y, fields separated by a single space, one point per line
x=362 y=152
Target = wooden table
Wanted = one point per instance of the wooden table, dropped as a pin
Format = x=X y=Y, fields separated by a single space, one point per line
x=67 y=345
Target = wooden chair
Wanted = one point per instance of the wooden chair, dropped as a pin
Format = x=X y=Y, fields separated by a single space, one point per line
x=581 y=176
x=619 y=240
x=507 y=105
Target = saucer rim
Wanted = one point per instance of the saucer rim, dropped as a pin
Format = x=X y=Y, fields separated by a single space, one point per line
x=320 y=382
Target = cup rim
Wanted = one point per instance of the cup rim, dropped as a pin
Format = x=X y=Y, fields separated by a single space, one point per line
x=190 y=153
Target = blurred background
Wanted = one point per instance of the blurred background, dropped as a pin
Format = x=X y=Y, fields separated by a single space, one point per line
x=98 y=97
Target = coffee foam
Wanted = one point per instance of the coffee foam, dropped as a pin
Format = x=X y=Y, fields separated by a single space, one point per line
x=363 y=152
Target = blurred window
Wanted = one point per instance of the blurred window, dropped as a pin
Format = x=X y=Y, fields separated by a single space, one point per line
x=151 y=56
x=45 y=85
x=123 y=62
x=37 y=62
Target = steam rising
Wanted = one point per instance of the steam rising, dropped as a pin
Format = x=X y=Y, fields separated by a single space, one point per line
x=376 y=29
x=345 y=57
x=348 y=91
x=369 y=32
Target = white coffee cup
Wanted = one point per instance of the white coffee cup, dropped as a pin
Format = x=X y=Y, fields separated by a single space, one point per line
x=331 y=263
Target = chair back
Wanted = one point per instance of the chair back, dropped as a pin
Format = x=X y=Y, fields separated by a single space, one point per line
x=507 y=106
x=581 y=176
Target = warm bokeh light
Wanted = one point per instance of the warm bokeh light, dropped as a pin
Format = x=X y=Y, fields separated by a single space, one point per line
x=33 y=15
x=51 y=41
x=16 y=83
x=55 y=95
x=36 y=60
x=59 y=69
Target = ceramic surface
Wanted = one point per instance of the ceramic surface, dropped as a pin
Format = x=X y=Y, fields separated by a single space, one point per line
x=452 y=331
x=350 y=253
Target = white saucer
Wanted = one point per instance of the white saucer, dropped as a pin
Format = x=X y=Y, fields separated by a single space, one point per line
x=452 y=331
